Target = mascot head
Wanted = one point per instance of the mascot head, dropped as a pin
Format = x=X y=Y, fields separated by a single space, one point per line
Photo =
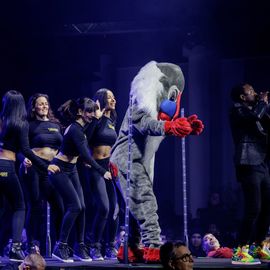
x=157 y=89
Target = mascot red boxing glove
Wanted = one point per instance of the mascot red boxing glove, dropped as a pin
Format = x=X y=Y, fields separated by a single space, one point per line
x=196 y=124
x=113 y=169
x=179 y=127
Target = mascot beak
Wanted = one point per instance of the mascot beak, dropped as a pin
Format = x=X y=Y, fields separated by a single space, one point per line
x=178 y=102
x=169 y=110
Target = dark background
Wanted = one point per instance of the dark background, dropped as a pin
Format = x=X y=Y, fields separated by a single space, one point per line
x=71 y=48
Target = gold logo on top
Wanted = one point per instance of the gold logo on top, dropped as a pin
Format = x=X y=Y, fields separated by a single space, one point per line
x=53 y=129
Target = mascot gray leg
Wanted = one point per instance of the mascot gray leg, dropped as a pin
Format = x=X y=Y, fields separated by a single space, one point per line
x=143 y=204
x=143 y=218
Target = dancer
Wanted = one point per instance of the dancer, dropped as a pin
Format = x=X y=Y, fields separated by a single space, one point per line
x=14 y=138
x=101 y=137
x=79 y=113
x=45 y=140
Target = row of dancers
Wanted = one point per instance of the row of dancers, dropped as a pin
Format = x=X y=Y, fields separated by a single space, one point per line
x=50 y=153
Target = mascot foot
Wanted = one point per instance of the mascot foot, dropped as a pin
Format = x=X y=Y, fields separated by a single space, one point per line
x=151 y=254
x=135 y=254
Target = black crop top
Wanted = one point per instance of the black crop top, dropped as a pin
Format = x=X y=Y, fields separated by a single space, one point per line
x=101 y=132
x=16 y=140
x=75 y=144
x=44 y=134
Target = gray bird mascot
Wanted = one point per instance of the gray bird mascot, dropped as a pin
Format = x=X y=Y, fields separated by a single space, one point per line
x=156 y=92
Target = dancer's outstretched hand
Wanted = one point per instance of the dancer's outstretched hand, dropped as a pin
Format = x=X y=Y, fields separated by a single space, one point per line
x=98 y=112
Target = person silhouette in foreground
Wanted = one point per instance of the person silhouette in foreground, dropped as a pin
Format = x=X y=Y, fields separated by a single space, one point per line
x=33 y=261
x=176 y=256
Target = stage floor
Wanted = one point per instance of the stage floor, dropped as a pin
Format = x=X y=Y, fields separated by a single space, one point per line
x=199 y=263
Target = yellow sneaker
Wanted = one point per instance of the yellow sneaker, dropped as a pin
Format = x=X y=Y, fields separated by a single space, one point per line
x=242 y=256
x=264 y=254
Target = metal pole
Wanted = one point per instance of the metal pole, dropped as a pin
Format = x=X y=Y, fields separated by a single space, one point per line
x=129 y=169
x=48 y=236
x=184 y=175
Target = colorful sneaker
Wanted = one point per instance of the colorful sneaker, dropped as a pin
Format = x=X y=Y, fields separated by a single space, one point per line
x=81 y=253
x=254 y=251
x=242 y=256
x=95 y=253
x=61 y=252
x=15 y=253
x=264 y=254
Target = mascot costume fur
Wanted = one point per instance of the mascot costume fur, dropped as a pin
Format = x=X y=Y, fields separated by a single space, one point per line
x=156 y=92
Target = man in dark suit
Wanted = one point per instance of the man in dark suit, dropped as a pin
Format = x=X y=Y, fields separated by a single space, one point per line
x=250 y=122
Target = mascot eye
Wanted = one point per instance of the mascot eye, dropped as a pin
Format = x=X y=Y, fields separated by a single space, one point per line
x=165 y=82
x=173 y=93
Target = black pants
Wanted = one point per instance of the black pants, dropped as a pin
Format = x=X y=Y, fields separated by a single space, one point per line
x=37 y=187
x=68 y=185
x=106 y=218
x=10 y=187
x=255 y=181
x=90 y=209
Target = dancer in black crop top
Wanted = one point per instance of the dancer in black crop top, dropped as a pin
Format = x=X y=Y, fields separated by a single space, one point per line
x=79 y=113
x=45 y=140
x=101 y=136
x=14 y=138
x=104 y=133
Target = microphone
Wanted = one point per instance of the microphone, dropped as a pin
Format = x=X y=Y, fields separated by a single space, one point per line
x=264 y=96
